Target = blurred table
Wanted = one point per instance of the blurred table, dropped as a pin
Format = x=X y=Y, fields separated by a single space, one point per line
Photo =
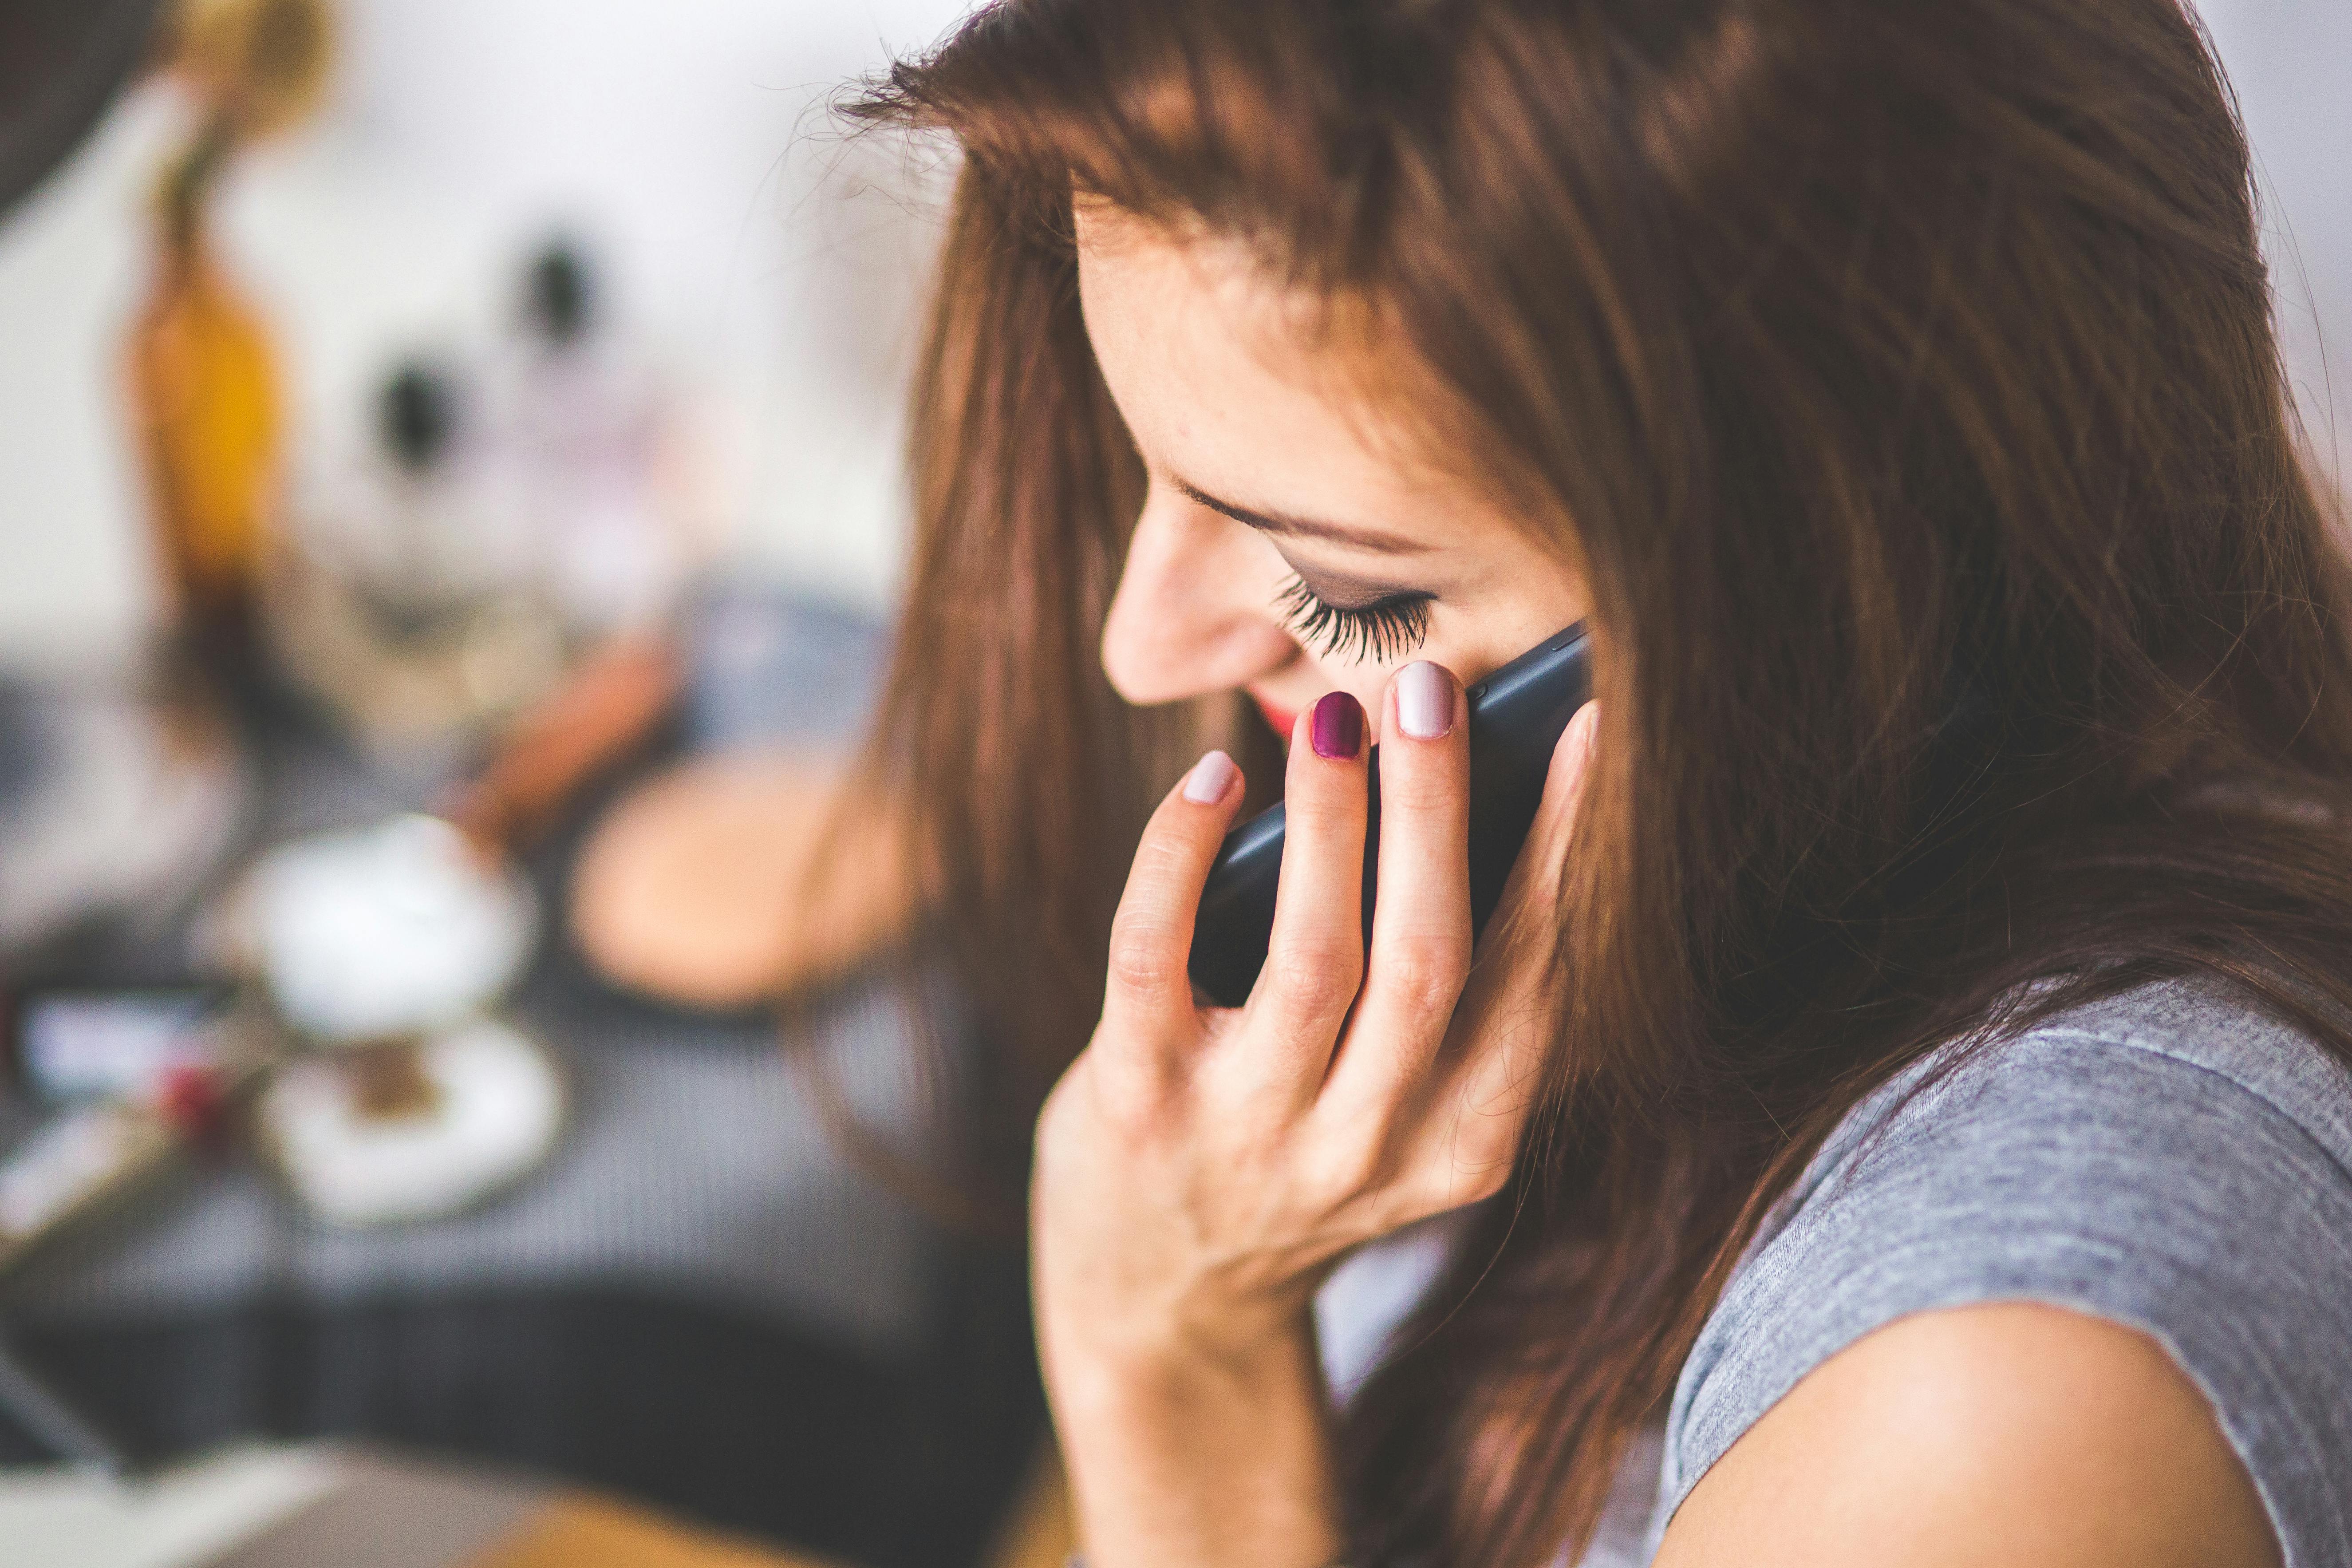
x=700 y=1301
x=305 y=1507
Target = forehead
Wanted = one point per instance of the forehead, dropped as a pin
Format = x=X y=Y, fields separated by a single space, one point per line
x=1240 y=384
x=1196 y=300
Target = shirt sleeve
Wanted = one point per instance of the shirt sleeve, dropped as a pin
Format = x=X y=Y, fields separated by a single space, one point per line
x=2163 y=1193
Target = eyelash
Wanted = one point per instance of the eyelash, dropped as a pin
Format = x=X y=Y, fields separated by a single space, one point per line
x=1381 y=630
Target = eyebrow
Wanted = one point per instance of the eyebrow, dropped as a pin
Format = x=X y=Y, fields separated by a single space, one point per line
x=1305 y=528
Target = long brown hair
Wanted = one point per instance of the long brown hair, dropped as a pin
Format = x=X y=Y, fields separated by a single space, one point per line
x=1902 y=377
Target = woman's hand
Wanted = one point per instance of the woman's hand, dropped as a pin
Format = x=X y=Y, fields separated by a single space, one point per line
x=1198 y=1169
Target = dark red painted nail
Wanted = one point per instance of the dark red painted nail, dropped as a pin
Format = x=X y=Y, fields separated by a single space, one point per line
x=1338 y=727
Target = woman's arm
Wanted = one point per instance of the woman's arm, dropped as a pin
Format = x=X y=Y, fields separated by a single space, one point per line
x=1194 y=1458
x=1198 y=1170
x=2011 y=1434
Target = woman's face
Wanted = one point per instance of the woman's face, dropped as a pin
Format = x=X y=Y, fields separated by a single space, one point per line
x=1289 y=545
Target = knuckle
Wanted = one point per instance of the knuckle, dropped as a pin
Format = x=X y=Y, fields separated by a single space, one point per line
x=1422 y=791
x=1133 y=1106
x=1315 y=978
x=1425 y=974
x=1459 y=1184
x=1449 y=1175
x=1483 y=1181
x=1160 y=857
x=1321 y=814
x=1143 y=955
x=1343 y=1173
x=1060 y=1113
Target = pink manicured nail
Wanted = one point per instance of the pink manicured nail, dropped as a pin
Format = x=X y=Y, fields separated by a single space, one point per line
x=1337 y=728
x=1424 y=699
x=1211 y=777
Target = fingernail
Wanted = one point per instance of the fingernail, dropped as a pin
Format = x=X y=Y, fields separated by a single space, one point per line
x=1211 y=777
x=1337 y=729
x=1424 y=699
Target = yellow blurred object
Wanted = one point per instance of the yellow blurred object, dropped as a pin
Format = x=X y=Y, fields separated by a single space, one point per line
x=260 y=64
x=205 y=385
x=203 y=377
x=1038 y=1534
x=584 y=1532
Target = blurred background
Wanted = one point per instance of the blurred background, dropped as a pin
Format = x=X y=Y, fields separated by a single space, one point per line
x=738 y=236
x=450 y=510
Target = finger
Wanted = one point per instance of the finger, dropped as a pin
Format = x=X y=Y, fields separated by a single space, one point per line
x=1315 y=957
x=1147 y=988
x=1421 y=925
x=1504 y=1027
x=1531 y=892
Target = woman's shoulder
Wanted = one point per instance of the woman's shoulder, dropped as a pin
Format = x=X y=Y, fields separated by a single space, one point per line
x=2171 y=1158
x=2205 y=1026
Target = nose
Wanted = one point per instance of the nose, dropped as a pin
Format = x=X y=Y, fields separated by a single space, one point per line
x=1195 y=609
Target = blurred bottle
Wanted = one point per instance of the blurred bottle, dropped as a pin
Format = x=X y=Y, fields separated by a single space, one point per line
x=204 y=387
x=587 y=430
x=203 y=377
x=405 y=596
x=422 y=536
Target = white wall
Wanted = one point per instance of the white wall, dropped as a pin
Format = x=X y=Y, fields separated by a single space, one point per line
x=2291 y=61
x=688 y=142
x=687 y=137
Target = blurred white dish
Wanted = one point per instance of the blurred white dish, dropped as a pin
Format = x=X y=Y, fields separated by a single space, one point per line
x=391 y=929
x=492 y=1107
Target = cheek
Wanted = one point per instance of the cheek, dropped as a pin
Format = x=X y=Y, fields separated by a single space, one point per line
x=1543 y=600
x=1365 y=682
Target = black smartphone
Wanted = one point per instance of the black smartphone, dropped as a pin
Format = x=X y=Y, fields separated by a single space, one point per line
x=1516 y=716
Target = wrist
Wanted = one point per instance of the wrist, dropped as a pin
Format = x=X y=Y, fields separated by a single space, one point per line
x=1225 y=1449
x=1147 y=1376
x=1178 y=1356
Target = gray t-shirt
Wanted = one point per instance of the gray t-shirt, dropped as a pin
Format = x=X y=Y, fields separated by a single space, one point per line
x=2169 y=1159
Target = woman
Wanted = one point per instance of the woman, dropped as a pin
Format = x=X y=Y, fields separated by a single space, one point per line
x=1901 y=1115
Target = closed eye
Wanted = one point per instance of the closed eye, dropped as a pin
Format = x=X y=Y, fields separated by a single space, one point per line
x=1384 y=630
